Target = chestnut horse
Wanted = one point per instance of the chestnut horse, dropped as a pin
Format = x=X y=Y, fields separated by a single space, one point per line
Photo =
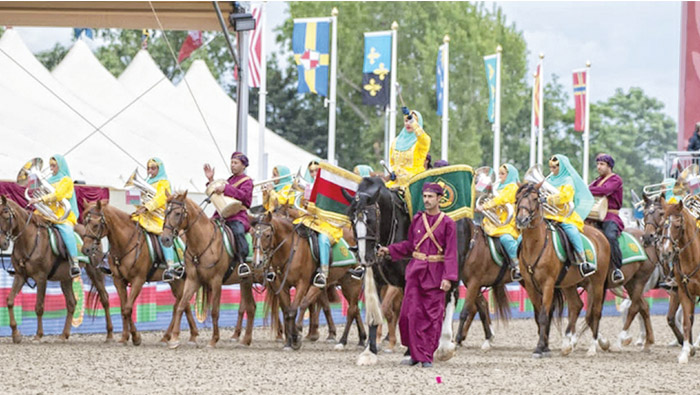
x=32 y=258
x=680 y=238
x=207 y=264
x=546 y=278
x=480 y=270
x=129 y=261
x=281 y=247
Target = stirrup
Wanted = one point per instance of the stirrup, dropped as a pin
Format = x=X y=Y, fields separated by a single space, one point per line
x=586 y=269
x=319 y=280
x=74 y=271
x=270 y=276
x=619 y=274
x=243 y=270
x=515 y=274
x=357 y=272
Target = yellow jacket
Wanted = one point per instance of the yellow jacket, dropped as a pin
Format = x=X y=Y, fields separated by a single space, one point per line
x=565 y=195
x=505 y=196
x=149 y=220
x=408 y=163
x=285 y=196
x=63 y=190
x=334 y=233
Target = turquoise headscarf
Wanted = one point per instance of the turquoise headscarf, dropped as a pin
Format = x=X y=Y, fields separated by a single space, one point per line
x=406 y=140
x=161 y=172
x=307 y=173
x=64 y=171
x=286 y=179
x=513 y=176
x=583 y=199
x=669 y=190
x=364 y=170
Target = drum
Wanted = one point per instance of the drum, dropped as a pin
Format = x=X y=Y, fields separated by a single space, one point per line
x=599 y=209
x=226 y=206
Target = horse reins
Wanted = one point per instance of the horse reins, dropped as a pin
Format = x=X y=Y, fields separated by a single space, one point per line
x=685 y=278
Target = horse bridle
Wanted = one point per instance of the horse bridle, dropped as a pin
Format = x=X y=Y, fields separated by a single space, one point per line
x=685 y=278
x=530 y=211
x=102 y=232
x=176 y=229
x=13 y=217
x=257 y=246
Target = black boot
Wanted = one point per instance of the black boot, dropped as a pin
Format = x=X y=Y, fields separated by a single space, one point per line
x=515 y=271
x=584 y=267
x=74 y=268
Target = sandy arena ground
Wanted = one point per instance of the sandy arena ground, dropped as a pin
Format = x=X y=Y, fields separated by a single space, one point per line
x=86 y=364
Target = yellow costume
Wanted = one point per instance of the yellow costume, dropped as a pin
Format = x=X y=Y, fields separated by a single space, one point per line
x=151 y=220
x=565 y=195
x=64 y=190
x=408 y=152
x=504 y=196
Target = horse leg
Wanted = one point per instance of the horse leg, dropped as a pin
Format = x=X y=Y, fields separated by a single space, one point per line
x=446 y=348
x=67 y=288
x=468 y=312
x=646 y=316
x=136 y=287
x=482 y=307
x=292 y=312
x=688 y=306
x=120 y=285
x=310 y=302
x=249 y=300
x=388 y=310
x=351 y=292
x=215 y=306
x=39 y=308
x=239 y=322
x=98 y=281
x=544 y=305
x=190 y=288
x=596 y=296
x=326 y=306
x=17 y=284
x=284 y=304
x=575 y=305
x=634 y=290
x=194 y=332
x=673 y=304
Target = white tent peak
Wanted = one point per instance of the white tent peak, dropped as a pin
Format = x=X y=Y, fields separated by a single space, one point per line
x=142 y=70
x=80 y=57
x=200 y=76
x=13 y=45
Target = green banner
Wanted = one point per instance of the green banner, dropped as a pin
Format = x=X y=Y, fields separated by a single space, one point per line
x=457 y=202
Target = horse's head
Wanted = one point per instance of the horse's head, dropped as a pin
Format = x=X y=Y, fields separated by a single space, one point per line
x=95 y=227
x=365 y=216
x=263 y=239
x=673 y=229
x=8 y=223
x=527 y=205
x=653 y=220
x=176 y=218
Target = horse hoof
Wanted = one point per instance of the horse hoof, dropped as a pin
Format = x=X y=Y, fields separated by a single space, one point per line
x=192 y=343
x=173 y=345
x=137 y=341
x=604 y=344
x=683 y=358
x=286 y=348
x=331 y=339
x=109 y=340
x=567 y=350
x=367 y=358
x=692 y=351
x=211 y=345
x=627 y=340
x=673 y=343
x=485 y=346
x=537 y=355
x=339 y=347
x=639 y=342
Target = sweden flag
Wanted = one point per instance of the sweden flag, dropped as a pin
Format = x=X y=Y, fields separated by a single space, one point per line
x=311 y=44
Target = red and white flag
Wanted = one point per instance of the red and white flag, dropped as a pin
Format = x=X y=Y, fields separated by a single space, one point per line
x=192 y=42
x=580 y=97
x=254 y=52
x=537 y=96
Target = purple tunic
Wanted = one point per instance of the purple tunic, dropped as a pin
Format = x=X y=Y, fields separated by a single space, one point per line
x=242 y=192
x=612 y=188
x=423 y=304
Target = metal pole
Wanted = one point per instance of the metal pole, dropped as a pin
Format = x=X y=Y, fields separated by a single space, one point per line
x=394 y=72
x=331 y=96
x=540 y=135
x=262 y=96
x=242 y=95
x=387 y=139
x=497 y=113
x=533 y=133
x=445 y=96
x=224 y=29
x=586 y=129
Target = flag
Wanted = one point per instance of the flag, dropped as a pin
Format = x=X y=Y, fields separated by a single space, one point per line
x=133 y=196
x=537 y=97
x=79 y=30
x=491 y=64
x=440 y=82
x=327 y=198
x=255 y=50
x=580 y=100
x=192 y=42
x=457 y=183
x=145 y=35
x=311 y=47
x=376 y=71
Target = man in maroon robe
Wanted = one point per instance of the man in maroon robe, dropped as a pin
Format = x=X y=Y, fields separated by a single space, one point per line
x=609 y=184
x=432 y=242
x=239 y=186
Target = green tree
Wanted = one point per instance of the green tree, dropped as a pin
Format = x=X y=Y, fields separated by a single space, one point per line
x=50 y=58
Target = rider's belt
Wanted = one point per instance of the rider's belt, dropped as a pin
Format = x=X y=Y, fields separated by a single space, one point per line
x=430 y=258
x=617 y=212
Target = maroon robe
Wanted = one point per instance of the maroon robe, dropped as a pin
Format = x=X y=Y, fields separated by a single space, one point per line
x=612 y=188
x=423 y=304
x=242 y=192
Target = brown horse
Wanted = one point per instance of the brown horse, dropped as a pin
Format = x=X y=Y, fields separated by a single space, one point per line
x=680 y=238
x=207 y=264
x=282 y=247
x=32 y=258
x=129 y=261
x=480 y=270
x=546 y=278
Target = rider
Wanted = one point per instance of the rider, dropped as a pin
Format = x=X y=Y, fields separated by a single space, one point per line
x=151 y=219
x=409 y=150
x=239 y=186
x=507 y=234
x=63 y=189
x=609 y=184
x=279 y=192
x=571 y=188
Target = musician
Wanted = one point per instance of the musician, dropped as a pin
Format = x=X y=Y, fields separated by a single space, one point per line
x=279 y=192
x=609 y=184
x=363 y=170
x=239 y=186
x=571 y=188
x=508 y=233
x=153 y=223
x=63 y=189
x=409 y=149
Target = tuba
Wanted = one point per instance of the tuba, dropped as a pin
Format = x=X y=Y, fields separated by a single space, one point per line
x=147 y=191
x=485 y=186
x=688 y=186
x=34 y=179
x=534 y=175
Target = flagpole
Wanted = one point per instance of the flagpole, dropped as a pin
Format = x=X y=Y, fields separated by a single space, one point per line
x=540 y=134
x=331 y=100
x=445 y=96
x=586 y=128
x=497 y=113
x=262 y=96
x=394 y=72
x=533 y=135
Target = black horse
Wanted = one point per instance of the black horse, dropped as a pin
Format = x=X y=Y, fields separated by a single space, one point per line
x=380 y=217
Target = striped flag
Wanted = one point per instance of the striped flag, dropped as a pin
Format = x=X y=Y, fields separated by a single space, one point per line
x=191 y=43
x=537 y=96
x=580 y=98
x=327 y=198
x=255 y=47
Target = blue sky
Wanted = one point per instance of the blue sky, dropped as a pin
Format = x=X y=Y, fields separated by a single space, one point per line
x=628 y=43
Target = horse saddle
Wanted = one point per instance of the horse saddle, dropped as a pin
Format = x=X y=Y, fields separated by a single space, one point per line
x=309 y=234
x=58 y=245
x=498 y=252
x=565 y=250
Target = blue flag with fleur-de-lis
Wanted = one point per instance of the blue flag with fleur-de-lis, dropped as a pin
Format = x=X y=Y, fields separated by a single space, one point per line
x=376 y=69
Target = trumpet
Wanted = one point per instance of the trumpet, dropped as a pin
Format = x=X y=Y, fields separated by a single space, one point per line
x=486 y=186
x=148 y=192
x=535 y=176
x=34 y=179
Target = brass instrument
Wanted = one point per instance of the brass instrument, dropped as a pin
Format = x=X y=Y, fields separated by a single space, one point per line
x=148 y=192
x=486 y=187
x=534 y=175
x=34 y=179
x=688 y=186
x=226 y=206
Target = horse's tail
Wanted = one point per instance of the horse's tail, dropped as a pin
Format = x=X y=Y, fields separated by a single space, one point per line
x=271 y=306
x=93 y=297
x=204 y=302
x=558 y=305
x=500 y=296
x=373 y=313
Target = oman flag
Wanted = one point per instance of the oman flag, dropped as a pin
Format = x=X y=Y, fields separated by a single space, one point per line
x=327 y=198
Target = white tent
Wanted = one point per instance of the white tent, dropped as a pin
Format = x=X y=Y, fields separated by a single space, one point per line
x=162 y=122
